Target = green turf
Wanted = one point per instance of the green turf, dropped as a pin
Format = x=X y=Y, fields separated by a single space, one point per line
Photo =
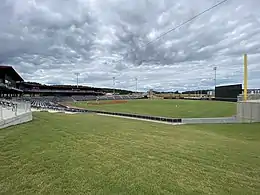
x=169 y=108
x=89 y=154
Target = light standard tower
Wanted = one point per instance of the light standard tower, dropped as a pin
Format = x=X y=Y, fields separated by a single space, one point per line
x=77 y=74
x=136 y=84
x=215 y=79
x=114 y=78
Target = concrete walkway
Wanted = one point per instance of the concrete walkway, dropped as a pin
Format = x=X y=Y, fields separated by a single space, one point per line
x=53 y=111
x=217 y=120
x=220 y=120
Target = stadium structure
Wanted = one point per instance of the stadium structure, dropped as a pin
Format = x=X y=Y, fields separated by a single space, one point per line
x=12 y=112
x=93 y=153
x=18 y=98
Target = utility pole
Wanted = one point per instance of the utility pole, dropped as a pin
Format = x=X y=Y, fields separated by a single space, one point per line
x=215 y=79
x=77 y=74
x=114 y=78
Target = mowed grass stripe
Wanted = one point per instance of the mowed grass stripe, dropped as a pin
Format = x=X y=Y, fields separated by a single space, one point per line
x=168 y=108
x=89 y=154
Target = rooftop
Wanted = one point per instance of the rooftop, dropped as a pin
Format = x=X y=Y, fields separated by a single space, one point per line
x=10 y=71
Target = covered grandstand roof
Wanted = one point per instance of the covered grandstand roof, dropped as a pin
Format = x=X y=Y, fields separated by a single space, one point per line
x=9 y=70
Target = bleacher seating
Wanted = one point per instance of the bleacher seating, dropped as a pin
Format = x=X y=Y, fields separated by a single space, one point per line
x=52 y=102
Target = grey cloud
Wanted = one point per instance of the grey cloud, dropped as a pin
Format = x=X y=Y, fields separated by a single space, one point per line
x=48 y=41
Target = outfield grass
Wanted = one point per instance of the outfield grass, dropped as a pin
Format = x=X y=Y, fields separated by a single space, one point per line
x=90 y=154
x=169 y=108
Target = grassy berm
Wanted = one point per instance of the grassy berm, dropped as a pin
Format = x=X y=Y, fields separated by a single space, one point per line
x=90 y=154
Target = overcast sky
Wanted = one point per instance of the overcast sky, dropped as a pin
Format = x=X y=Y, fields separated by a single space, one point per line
x=48 y=41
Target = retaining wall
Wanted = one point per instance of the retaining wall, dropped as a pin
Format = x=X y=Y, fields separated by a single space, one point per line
x=22 y=118
x=14 y=113
x=248 y=111
x=155 y=118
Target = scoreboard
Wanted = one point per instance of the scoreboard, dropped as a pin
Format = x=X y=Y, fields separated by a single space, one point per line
x=228 y=92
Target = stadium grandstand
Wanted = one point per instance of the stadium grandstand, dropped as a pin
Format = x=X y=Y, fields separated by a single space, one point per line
x=55 y=102
x=9 y=81
x=41 y=96
x=12 y=110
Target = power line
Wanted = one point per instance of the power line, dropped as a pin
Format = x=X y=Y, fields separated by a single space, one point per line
x=187 y=21
x=183 y=23
x=180 y=25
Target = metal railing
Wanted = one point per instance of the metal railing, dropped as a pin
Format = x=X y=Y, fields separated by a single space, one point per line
x=11 y=87
x=255 y=96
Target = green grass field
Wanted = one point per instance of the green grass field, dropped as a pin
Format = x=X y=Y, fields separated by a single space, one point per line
x=169 y=108
x=91 y=154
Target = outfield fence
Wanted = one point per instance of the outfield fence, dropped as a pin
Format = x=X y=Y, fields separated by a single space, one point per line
x=147 y=117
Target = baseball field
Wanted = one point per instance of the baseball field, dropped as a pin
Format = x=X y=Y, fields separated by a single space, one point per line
x=166 y=108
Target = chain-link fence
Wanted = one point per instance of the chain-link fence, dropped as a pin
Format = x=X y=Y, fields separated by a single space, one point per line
x=255 y=96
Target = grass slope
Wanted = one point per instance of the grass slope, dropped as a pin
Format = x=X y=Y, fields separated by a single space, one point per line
x=169 y=108
x=89 y=154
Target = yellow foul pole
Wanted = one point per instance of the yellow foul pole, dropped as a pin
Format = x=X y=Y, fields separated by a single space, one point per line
x=245 y=77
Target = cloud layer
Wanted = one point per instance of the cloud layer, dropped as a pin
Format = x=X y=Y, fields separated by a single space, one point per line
x=49 y=41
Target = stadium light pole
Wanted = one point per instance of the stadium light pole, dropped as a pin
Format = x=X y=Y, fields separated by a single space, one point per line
x=215 y=79
x=114 y=78
x=245 y=77
x=77 y=74
x=136 y=84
